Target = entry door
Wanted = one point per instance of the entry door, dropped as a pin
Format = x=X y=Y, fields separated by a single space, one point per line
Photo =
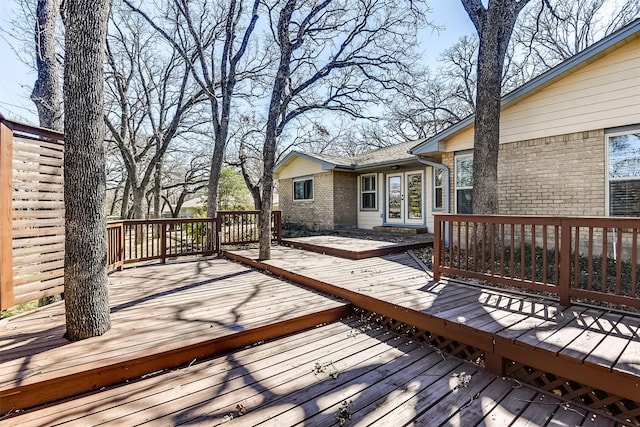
x=405 y=204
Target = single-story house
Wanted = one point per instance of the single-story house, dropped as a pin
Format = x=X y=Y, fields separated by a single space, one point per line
x=569 y=145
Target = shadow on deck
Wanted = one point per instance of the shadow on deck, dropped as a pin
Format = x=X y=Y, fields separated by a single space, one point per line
x=585 y=354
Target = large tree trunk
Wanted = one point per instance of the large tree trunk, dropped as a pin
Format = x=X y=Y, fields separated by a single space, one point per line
x=494 y=25
x=276 y=106
x=85 y=276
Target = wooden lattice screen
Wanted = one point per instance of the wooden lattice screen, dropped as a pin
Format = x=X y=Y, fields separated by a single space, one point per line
x=31 y=213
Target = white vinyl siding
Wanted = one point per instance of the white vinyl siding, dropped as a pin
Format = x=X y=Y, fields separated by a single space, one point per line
x=603 y=94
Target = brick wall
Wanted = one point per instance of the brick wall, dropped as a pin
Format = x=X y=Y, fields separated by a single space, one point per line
x=560 y=175
x=345 y=199
x=316 y=213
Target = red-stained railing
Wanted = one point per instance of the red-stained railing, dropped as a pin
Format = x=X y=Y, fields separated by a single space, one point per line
x=587 y=258
x=130 y=241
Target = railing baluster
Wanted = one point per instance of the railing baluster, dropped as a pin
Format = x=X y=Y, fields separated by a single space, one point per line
x=604 y=259
x=618 y=260
x=634 y=263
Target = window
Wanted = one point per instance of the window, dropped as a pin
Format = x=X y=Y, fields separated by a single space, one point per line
x=623 y=175
x=368 y=193
x=303 y=188
x=438 y=189
x=464 y=184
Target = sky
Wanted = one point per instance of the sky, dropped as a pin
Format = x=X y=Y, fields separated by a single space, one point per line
x=16 y=78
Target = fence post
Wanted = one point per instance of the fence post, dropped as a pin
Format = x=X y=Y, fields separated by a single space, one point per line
x=6 y=231
x=437 y=247
x=565 y=262
x=163 y=242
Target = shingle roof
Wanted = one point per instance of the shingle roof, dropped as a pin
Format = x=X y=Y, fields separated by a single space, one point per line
x=396 y=153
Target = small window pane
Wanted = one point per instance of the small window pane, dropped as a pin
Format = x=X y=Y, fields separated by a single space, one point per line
x=624 y=156
x=439 y=177
x=438 y=198
x=464 y=199
x=303 y=189
x=368 y=201
x=624 y=198
x=464 y=171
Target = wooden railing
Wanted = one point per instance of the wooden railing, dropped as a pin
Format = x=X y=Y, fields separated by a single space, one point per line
x=592 y=259
x=135 y=240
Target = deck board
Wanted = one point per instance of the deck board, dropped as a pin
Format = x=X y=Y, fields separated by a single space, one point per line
x=528 y=329
x=383 y=379
x=155 y=310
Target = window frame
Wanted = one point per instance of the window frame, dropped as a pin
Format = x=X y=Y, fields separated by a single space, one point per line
x=374 y=192
x=303 y=179
x=459 y=157
x=612 y=133
x=434 y=206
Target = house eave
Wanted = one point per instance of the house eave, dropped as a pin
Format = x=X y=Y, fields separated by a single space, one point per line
x=622 y=36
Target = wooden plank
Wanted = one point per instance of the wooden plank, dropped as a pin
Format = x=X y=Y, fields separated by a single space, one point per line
x=560 y=338
x=23 y=178
x=6 y=232
x=605 y=354
x=167 y=390
x=21 y=233
x=507 y=410
x=32 y=145
x=40 y=169
x=49 y=158
x=591 y=337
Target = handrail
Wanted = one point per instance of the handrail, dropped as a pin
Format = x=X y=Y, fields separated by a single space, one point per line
x=591 y=258
x=137 y=240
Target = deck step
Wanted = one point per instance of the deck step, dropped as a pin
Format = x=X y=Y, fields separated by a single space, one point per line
x=163 y=317
x=399 y=229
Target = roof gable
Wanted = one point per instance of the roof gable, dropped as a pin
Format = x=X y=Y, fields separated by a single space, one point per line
x=594 y=52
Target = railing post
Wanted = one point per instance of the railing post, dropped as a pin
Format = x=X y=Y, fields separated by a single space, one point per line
x=437 y=247
x=278 y=226
x=218 y=235
x=565 y=262
x=6 y=231
x=121 y=246
x=163 y=242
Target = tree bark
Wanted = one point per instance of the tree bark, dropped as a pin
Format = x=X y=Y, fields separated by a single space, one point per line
x=276 y=107
x=494 y=26
x=46 y=91
x=85 y=277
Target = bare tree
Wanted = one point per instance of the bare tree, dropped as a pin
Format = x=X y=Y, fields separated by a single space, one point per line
x=552 y=33
x=152 y=100
x=215 y=39
x=85 y=264
x=336 y=56
x=46 y=90
x=494 y=25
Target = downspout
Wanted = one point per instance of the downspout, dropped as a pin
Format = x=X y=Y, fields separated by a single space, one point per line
x=447 y=206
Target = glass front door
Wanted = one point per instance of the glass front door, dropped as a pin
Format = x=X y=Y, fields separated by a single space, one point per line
x=405 y=198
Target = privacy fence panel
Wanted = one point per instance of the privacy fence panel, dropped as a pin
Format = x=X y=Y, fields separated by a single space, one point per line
x=32 y=195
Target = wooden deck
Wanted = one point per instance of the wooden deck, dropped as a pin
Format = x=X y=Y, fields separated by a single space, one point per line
x=163 y=316
x=593 y=347
x=350 y=370
x=357 y=248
